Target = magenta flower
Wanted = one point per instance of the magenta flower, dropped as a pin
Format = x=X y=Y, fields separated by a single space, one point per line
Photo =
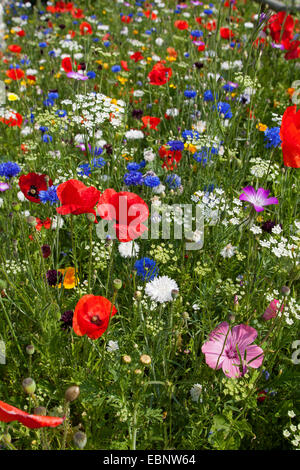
x=272 y=310
x=232 y=350
x=77 y=76
x=4 y=186
x=258 y=198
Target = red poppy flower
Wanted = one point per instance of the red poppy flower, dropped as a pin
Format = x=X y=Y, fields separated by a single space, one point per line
x=40 y=223
x=15 y=74
x=127 y=209
x=292 y=48
x=151 y=122
x=77 y=198
x=281 y=26
x=150 y=14
x=92 y=315
x=77 y=13
x=15 y=48
x=85 y=28
x=290 y=136
x=125 y=19
x=66 y=64
x=31 y=77
x=31 y=185
x=159 y=75
x=169 y=156
x=226 y=33
x=9 y=413
x=182 y=25
x=21 y=33
x=14 y=120
x=124 y=65
x=137 y=56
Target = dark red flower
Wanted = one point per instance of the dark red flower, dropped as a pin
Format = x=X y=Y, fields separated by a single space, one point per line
x=281 y=26
x=290 y=137
x=92 y=316
x=9 y=413
x=159 y=75
x=77 y=198
x=31 y=185
x=128 y=210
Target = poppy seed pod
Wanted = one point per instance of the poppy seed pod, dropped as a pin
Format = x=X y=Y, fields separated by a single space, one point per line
x=72 y=393
x=80 y=439
x=285 y=290
x=29 y=386
x=117 y=284
x=30 y=349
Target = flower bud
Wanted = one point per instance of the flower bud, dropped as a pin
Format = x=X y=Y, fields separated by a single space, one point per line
x=126 y=359
x=3 y=284
x=90 y=217
x=40 y=410
x=80 y=439
x=72 y=393
x=30 y=349
x=29 y=386
x=174 y=293
x=285 y=290
x=31 y=220
x=145 y=359
x=117 y=284
x=137 y=294
x=138 y=372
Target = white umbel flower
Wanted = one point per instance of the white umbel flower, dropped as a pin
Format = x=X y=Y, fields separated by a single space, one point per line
x=129 y=249
x=160 y=289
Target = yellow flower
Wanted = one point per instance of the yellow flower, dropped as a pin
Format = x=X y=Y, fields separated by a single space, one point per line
x=122 y=80
x=190 y=148
x=42 y=67
x=135 y=31
x=57 y=75
x=261 y=127
x=260 y=218
x=12 y=97
x=69 y=280
x=105 y=65
x=8 y=80
x=170 y=58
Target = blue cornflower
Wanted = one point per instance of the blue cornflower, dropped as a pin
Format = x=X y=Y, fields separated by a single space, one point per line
x=208 y=96
x=266 y=374
x=49 y=195
x=47 y=138
x=98 y=162
x=91 y=74
x=53 y=95
x=133 y=178
x=146 y=269
x=175 y=145
x=152 y=181
x=133 y=166
x=272 y=137
x=9 y=169
x=61 y=113
x=48 y=102
x=116 y=68
x=42 y=44
x=224 y=110
x=173 y=181
x=190 y=93
x=96 y=151
x=86 y=170
x=196 y=33
x=106 y=43
x=204 y=155
x=43 y=128
x=208 y=11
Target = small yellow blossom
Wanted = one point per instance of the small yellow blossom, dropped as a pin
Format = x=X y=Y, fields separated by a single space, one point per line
x=261 y=127
x=12 y=97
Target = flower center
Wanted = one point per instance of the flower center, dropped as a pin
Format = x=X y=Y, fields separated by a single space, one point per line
x=33 y=192
x=96 y=320
x=231 y=353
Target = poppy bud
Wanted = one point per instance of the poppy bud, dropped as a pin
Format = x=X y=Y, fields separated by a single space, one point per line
x=80 y=439
x=31 y=220
x=117 y=284
x=72 y=393
x=285 y=290
x=138 y=294
x=29 y=386
x=90 y=217
x=40 y=410
x=30 y=349
x=174 y=293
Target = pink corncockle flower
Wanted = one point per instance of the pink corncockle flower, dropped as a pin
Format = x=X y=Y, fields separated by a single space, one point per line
x=4 y=186
x=272 y=310
x=77 y=76
x=232 y=350
x=258 y=198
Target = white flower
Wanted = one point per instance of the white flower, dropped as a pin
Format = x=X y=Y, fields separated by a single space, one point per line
x=277 y=229
x=195 y=392
x=160 y=289
x=57 y=221
x=291 y=414
x=286 y=433
x=21 y=196
x=112 y=346
x=255 y=229
x=128 y=249
x=149 y=155
x=159 y=41
x=228 y=251
x=134 y=134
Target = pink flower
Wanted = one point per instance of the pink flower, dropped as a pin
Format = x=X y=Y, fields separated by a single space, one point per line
x=272 y=310
x=232 y=350
x=258 y=198
x=77 y=76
